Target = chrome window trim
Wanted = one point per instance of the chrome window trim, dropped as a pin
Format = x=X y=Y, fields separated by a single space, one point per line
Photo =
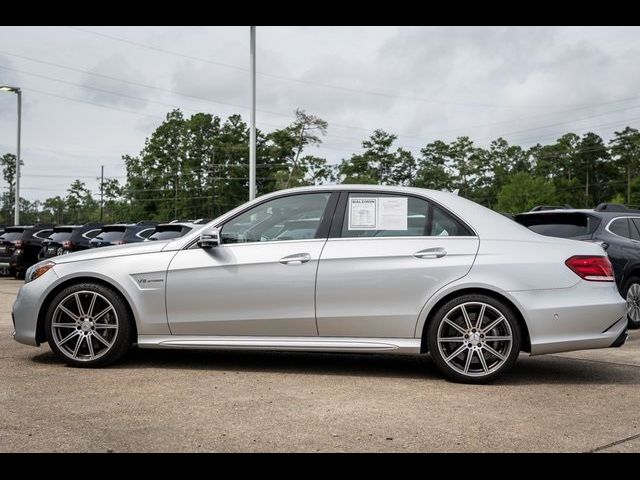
x=618 y=218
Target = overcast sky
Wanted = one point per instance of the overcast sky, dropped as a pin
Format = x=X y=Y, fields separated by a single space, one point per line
x=92 y=94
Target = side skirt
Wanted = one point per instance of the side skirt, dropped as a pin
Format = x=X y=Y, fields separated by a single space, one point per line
x=318 y=344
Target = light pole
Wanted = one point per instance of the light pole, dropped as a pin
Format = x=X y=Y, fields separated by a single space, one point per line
x=252 y=115
x=16 y=90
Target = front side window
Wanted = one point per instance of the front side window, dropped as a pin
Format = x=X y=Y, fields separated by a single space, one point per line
x=384 y=215
x=635 y=222
x=296 y=217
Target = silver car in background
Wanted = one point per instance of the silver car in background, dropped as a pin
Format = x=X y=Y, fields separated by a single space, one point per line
x=335 y=269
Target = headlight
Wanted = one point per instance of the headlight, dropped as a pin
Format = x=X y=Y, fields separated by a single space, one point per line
x=37 y=270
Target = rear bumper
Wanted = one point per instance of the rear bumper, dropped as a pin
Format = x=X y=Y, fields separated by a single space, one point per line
x=585 y=316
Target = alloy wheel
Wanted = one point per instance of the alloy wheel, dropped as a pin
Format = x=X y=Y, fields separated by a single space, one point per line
x=633 y=302
x=84 y=325
x=474 y=339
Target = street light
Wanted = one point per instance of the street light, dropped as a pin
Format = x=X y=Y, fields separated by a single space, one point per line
x=17 y=91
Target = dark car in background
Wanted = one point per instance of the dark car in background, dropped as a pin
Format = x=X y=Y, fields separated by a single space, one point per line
x=121 y=233
x=69 y=238
x=20 y=245
x=615 y=227
x=166 y=231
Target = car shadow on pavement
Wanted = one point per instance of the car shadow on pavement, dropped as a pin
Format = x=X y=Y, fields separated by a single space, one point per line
x=527 y=371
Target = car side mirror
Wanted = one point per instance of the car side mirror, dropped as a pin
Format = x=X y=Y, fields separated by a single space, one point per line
x=209 y=238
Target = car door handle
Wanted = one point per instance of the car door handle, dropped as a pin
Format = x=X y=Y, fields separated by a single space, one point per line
x=295 y=259
x=437 y=252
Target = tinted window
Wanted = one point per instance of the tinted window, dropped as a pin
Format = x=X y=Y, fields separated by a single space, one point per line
x=60 y=236
x=562 y=225
x=166 y=233
x=635 y=227
x=620 y=227
x=146 y=233
x=444 y=225
x=405 y=216
x=91 y=233
x=42 y=234
x=111 y=235
x=12 y=236
x=295 y=217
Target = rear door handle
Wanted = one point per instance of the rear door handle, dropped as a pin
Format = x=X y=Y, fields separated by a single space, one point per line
x=437 y=252
x=295 y=259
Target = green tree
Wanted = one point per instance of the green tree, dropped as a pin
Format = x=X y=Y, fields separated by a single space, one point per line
x=8 y=164
x=379 y=164
x=524 y=191
x=625 y=150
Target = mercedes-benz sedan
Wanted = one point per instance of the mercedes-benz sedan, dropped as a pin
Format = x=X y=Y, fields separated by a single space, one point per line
x=334 y=269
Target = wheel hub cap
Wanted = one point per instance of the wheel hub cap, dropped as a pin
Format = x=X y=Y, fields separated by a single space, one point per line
x=86 y=325
x=474 y=339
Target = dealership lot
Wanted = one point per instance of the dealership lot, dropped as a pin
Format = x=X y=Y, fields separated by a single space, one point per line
x=249 y=401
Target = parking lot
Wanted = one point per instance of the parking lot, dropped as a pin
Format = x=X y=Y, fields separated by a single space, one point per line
x=249 y=401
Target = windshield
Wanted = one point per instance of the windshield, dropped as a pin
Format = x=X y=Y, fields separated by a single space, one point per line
x=12 y=235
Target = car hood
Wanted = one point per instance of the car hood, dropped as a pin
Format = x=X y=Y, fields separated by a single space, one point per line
x=115 y=251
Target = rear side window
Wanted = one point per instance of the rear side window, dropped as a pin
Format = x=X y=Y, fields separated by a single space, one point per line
x=620 y=226
x=42 y=234
x=384 y=215
x=562 y=225
x=635 y=222
x=111 y=235
x=60 y=235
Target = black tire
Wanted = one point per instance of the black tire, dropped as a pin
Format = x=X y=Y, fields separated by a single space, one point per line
x=121 y=339
x=491 y=366
x=632 y=323
x=12 y=272
x=19 y=275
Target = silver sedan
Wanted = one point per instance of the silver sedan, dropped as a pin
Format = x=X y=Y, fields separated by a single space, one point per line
x=334 y=269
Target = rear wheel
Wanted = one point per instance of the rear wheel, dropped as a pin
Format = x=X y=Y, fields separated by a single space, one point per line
x=632 y=295
x=474 y=338
x=88 y=325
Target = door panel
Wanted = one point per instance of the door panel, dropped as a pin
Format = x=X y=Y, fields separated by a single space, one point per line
x=244 y=289
x=376 y=287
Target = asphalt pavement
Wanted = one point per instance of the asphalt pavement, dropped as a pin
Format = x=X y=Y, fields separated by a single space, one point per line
x=230 y=401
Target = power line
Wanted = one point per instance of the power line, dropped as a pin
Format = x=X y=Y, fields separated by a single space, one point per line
x=310 y=82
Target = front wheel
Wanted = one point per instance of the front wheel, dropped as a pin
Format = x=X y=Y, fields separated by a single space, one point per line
x=88 y=325
x=632 y=295
x=474 y=338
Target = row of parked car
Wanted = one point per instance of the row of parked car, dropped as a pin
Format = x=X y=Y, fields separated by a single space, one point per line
x=23 y=245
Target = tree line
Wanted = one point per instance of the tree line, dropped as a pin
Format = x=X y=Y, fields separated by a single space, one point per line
x=197 y=166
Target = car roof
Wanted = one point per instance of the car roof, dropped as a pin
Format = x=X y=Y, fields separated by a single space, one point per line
x=180 y=224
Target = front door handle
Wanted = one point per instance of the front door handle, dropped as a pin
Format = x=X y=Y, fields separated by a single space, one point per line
x=295 y=259
x=437 y=252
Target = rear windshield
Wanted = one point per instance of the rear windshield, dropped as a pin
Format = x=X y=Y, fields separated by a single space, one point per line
x=562 y=225
x=60 y=234
x=11 y=235
x=169 y=231
x=111 y=233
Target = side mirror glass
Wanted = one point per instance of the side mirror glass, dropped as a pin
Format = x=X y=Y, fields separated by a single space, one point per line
x=209 y=238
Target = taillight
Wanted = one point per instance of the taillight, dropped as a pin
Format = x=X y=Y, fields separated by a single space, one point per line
x=19 y=243
x=68 y=244
x=592 y=268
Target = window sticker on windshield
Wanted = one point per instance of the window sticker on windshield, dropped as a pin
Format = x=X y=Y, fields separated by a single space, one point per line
x=392 y=213
x=363 y=213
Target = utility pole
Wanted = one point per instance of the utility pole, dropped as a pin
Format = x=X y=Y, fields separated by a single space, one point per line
x=101 y=192
x=17 y=214
x=252 y=119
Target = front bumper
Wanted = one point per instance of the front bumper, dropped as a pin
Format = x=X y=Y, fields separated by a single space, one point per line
x=585 y=316
x=27 y=305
